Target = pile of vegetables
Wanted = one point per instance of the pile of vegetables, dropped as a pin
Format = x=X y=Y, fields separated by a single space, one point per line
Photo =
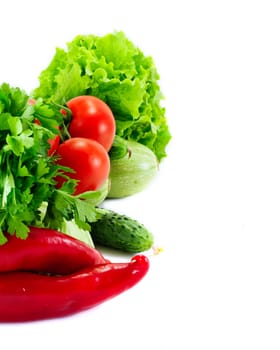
x=93 y=129
x=112 y=68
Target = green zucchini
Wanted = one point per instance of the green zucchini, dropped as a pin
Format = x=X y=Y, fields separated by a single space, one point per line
x=133 y=172
x=120 y=232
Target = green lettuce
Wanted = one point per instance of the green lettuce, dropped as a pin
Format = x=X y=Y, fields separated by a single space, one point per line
x=112 y=68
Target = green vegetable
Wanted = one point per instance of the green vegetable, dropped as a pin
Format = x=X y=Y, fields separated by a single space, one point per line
x=115 y=70
x=119 y=148
x=71 y=229
x=134 y=172
x=120 y=232
x=28 y=196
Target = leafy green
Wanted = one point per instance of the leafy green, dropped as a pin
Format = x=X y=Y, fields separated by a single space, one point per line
x=72 y=229
x=119 y=148
x=28 y=193
x=114 y=69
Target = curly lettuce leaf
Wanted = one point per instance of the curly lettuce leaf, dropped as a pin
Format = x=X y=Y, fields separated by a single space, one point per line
x=114 y=69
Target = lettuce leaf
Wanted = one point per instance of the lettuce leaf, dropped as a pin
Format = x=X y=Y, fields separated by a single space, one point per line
x=114 y=69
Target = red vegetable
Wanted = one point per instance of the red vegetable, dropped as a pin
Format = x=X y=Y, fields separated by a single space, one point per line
x=47 y=251
x=26 y=296
x=32 y=295
x=88 y=159
x=92 y=119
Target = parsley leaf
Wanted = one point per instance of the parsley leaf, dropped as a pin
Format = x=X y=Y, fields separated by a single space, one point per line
x=27 y=174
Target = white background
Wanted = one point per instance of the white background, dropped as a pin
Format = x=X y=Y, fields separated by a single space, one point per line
x=215 y=205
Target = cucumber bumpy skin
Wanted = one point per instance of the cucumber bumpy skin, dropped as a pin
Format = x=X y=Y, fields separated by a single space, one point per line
x=120 y=232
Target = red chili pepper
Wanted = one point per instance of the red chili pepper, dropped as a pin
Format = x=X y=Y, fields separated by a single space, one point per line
x=47 y=251
x=30 y=295
x=26 y=296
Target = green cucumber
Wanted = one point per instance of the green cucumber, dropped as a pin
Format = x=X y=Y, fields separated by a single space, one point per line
x=133 y=172
x=120 y=232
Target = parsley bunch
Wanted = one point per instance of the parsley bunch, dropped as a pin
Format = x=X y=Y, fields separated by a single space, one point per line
x=28 y=196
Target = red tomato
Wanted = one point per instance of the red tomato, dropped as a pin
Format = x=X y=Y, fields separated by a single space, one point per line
x=93 y=119
x=88 y=159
